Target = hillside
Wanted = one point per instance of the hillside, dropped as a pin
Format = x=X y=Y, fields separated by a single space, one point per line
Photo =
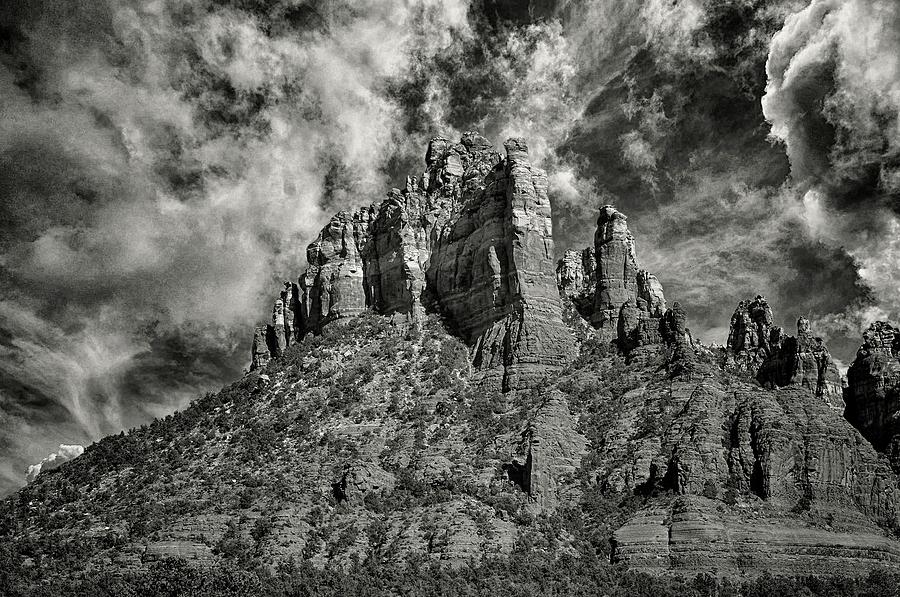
x=438 y=406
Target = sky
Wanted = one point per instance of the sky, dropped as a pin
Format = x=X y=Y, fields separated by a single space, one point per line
x=164 y=164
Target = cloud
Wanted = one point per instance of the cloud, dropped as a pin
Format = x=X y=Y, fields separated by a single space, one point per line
x=160 y=166
x=833 y=94
x=65 y=453
x=833 y=99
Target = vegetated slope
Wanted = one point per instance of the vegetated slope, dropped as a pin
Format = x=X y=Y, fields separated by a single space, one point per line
x=374 y=444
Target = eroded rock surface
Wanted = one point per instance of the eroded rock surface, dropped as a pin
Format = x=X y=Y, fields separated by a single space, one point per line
x=872 y=395
x=607 y=288
x=472 y=239
x=693 y=535
x=552 y=450
x=757 y=347
x=797 y=482
x=750 y=335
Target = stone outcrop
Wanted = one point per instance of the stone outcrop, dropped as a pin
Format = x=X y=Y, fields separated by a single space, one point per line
x=872 y=395
x=260 y=353
x=360 y=479
x=492 y=271
x=628 y=301
x=272 y=339
x=756 y=346
x=576 y=277
x=472 y=239
x=776 y=463
x=750 y=335
x=333 y=284
x=605 y=285
x=552 y=453
x=803 y=360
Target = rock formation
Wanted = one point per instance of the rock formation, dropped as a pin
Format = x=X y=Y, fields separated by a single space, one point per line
x=770 y=454
x=750 y=335
x=605 y=285
x=333 y=286
x=757 y=347
x=260 y=353
x=472 y=239
x=385 y=447
x=872 y=395
x=628 y=302
x=552 y=453
x=576 y=277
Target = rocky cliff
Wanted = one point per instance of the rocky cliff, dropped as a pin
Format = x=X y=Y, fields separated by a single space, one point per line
x=471 y=239
x=623 y=302
x=872 y=395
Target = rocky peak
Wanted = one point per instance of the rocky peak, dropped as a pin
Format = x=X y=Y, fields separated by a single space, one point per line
x=882 y=339
x=872 y=395
x=624 y=303
x=750 y=335
x=759 y=348
x=472 y=238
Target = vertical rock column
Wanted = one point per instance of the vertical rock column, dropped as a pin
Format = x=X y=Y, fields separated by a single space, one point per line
x=333 y=285
x=628 y=302
x=538 y=337
x=616 y=268
x=259 y=356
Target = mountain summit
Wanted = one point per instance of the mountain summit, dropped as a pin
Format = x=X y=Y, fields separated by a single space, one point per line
x=436 y=393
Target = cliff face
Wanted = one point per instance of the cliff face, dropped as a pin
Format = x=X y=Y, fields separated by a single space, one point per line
x=873 y=389
x=800 y=480
x=471 y=239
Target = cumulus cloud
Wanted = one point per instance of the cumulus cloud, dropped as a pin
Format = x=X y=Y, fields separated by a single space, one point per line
x=833 y=99
x=65 y=453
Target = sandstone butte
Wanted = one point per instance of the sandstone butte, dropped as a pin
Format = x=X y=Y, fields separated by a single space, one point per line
x=438 y=376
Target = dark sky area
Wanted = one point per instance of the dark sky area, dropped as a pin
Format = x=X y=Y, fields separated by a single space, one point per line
x=164 y=164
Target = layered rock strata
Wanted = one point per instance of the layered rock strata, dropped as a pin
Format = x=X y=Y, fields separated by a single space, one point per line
x=472 y=239
x=758 y=480
x=872 y=395
x=759 y=348
x=694 y=535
